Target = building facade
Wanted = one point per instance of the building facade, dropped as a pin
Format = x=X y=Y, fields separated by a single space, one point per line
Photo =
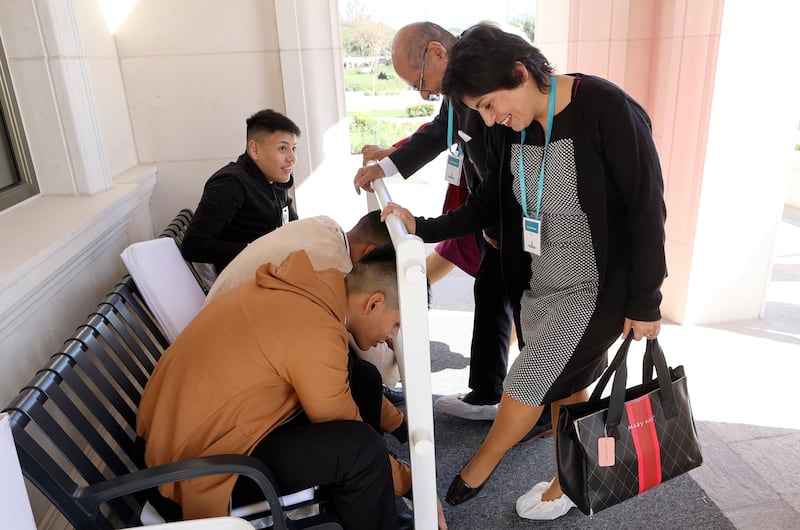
x=126 y=116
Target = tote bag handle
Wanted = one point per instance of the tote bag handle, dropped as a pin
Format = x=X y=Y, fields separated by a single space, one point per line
x=653 y=358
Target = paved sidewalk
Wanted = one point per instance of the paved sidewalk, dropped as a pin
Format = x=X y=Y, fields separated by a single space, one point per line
x=751 y=432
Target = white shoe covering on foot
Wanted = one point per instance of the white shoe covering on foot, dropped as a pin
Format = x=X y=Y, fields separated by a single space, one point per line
x=532 y=497
x=531 y=506
x=455 y=406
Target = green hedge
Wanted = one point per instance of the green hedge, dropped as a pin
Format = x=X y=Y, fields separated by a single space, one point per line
x=366 y=130
x=420 y=109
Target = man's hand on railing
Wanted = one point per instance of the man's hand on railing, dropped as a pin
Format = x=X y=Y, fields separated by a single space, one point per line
x=365 y=176
x=404 y=215
x=371 y=170
x=374 y=153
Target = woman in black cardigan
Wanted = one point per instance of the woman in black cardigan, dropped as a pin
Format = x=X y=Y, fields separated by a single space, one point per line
x=582 y=232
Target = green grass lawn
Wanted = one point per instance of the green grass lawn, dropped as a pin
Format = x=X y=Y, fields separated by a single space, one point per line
x=380 y=127
x=355 y=80
x=365 y=129
x=393 y=113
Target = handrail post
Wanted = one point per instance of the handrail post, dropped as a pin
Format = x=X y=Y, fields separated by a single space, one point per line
x=412 y=349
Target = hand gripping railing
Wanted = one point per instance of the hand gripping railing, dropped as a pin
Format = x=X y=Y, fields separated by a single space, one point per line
x=412 y=349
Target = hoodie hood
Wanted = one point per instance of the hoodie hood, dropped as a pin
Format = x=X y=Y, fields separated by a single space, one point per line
x=296 y=274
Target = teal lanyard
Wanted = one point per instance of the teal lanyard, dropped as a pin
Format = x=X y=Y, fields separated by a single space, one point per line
x=450 y=129
x=551 y=107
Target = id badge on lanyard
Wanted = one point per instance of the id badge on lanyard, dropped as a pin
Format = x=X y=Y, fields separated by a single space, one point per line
x=285 y=215
x=532 y=235
x=532 y=226
x=455 y=160
x=452 y=173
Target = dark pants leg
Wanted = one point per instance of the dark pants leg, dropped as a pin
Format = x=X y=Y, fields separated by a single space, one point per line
x=491 y=330
x=366 y=389
x=348 y=456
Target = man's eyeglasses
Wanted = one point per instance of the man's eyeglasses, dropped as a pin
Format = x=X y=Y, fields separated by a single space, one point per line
x=419 y=88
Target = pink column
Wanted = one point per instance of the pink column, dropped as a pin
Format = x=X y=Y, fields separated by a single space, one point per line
x=665 y=54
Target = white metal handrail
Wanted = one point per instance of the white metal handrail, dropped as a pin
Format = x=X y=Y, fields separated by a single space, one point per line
x=412 y=349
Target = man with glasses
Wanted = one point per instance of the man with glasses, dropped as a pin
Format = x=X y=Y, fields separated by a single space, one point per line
x=420 y=56
x=420 y=87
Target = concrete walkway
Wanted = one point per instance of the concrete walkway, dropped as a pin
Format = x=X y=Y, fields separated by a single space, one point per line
x=751 y=424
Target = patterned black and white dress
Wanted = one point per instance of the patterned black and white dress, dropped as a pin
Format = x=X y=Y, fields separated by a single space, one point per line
x=556 y=308
x=603 y=236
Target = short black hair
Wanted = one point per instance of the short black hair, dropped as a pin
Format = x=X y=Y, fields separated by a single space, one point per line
x=269 y=121
x=370 y=230
x=376 y=271
x=483 y=60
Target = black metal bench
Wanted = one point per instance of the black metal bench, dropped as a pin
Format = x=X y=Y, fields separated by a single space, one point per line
x=176 y=229
x=74 y=423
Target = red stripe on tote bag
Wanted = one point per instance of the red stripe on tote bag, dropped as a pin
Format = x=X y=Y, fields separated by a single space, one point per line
x=642 y=425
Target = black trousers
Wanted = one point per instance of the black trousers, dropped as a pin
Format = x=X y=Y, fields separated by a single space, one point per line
x=366 y=387
x=348 y=456
x=491 y=329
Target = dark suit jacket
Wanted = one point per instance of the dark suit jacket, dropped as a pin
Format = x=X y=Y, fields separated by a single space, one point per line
x=426 y=144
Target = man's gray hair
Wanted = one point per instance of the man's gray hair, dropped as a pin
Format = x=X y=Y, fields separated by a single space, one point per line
x=421 y=34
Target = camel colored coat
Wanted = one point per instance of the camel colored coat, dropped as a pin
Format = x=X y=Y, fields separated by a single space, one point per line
x=248 y=362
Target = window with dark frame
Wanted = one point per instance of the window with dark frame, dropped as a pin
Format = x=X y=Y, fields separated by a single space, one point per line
x=17 y=179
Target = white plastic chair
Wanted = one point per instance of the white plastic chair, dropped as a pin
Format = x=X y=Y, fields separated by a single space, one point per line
x=214 y=523
x=15 y=506
x=166 y=283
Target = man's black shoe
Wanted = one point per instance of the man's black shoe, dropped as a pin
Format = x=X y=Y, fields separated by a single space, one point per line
x=395 y=395
x=538 y=431
x=476 y=398
x=542 y=429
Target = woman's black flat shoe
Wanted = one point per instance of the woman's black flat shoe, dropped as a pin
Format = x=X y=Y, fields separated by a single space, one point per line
x=459 y=491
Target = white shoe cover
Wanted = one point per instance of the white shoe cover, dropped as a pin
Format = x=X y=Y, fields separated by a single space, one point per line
x=531 y=505
x=455 y=406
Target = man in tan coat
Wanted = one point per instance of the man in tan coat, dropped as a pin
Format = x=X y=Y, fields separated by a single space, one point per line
x=327 y=245
x=263 y=370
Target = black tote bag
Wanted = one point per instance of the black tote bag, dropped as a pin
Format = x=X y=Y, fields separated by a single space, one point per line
x=615 y=448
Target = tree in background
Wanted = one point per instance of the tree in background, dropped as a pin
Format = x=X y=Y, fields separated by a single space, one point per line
x=526 y=23
x=362 y=36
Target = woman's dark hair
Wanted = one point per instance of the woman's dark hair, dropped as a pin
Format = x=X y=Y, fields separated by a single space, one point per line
x=483 y=60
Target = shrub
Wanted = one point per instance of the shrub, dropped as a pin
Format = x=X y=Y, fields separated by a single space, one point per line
x=420 y=109
x=367 y=130
x=361 y=120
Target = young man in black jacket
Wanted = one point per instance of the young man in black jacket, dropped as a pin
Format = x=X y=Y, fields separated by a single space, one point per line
x=247 y=198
